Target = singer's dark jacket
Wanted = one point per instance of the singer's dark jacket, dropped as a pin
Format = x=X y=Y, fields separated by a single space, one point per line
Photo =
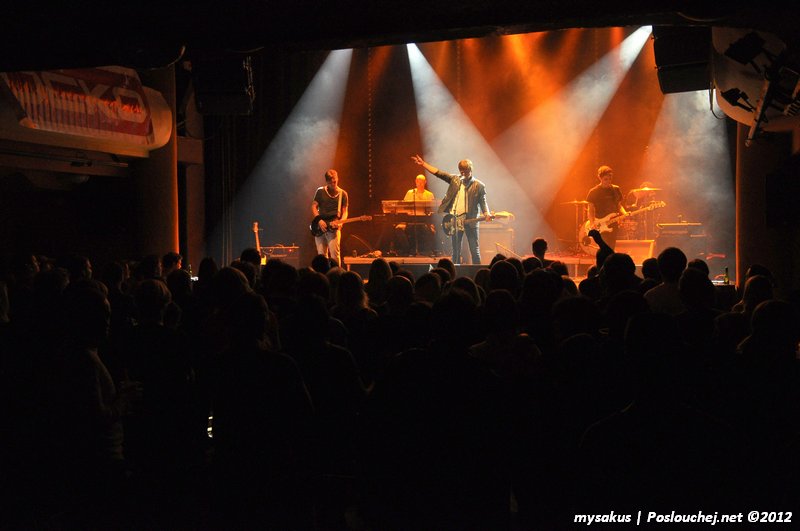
x=476 y=194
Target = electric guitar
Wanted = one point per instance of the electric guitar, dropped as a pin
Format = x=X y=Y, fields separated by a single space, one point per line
x=451 y=223
x=317 y=231
x=605 y=224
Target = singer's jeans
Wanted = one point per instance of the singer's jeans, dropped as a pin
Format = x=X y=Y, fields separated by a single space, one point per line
x=329 y=244
x=471 y=231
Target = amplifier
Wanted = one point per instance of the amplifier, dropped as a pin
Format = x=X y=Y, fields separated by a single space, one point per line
x=289 y=254
x=493 y=239
x=680 y=229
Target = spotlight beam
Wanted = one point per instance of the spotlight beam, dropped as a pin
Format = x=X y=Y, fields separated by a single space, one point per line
x=280 y=188
x=448 y=135
x=542 y=147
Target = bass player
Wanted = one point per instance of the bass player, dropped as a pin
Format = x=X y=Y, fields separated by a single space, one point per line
x=605 y=198
x=330 y=204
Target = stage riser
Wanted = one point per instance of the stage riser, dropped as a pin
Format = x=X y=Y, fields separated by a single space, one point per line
x=361 y=266
x=416 y=269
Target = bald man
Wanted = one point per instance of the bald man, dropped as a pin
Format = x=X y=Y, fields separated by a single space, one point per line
x=420 y=235
x=419 y=193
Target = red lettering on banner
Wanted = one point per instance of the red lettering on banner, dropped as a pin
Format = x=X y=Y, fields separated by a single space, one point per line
x=108 y=102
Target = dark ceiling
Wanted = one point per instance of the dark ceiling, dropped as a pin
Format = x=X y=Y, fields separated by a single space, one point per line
x=41 y=36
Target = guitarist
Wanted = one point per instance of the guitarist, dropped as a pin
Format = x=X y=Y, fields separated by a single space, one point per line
x=331 y=204
x=604 y=199
x=465 y=197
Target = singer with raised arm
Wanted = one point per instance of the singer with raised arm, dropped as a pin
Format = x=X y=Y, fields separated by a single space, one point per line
x=329 y=208
x=464 y=206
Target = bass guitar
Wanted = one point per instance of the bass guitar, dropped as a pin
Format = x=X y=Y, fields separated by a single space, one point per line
x=317 y=231
x=606 y=223
x=452 y=223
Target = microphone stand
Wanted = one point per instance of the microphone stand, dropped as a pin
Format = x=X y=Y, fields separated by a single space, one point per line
x=416 y=233
x=506 y=249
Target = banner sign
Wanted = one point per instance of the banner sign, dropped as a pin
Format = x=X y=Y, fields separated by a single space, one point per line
x=108 y=102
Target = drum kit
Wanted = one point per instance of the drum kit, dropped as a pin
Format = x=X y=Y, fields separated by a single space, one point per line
x=641 y=228
x=644 y=227
x=580 y=219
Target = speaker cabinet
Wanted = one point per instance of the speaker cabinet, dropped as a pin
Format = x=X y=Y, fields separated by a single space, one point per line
x=223 y=84
x=285 y=253
x=493 y=238
x=682 y=57
x=639 y=250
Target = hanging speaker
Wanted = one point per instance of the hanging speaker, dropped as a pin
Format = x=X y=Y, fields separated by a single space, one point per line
x=682 y=56
x=223 y=84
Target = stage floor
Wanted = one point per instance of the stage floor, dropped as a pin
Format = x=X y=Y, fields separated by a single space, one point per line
x=402 y=260
x=419 y=265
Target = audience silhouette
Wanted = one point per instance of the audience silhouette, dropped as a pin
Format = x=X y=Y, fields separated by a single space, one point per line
x=314 y=399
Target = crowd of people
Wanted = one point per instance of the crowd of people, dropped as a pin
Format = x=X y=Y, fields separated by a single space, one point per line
x=267 y=397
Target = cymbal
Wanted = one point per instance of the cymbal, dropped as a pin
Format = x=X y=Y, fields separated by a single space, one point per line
x=576 y=202
x=645 y=189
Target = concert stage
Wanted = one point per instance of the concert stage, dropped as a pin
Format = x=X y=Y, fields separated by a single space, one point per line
x=577 y=263
x=419 y=265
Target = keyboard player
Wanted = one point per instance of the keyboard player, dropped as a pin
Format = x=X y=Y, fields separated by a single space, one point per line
x=414 y=236
x=419 y=193
x=420 y=234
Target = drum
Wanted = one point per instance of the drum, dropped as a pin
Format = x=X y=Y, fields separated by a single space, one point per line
x=629 y=229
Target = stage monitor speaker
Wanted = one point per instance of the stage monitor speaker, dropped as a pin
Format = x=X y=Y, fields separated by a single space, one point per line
x=493 y=239
x=682 y=56
x=639 y=250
